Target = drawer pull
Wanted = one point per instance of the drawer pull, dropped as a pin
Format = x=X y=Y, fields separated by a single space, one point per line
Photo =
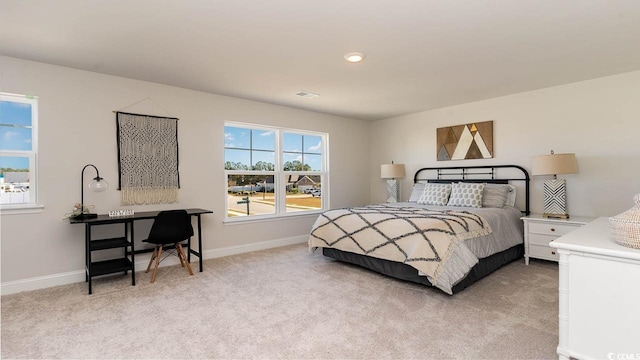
x=553 y=253
x=553 y=229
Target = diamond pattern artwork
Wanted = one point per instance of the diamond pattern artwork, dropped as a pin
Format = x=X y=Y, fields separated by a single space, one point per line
x=555 y=197
x=468 y=141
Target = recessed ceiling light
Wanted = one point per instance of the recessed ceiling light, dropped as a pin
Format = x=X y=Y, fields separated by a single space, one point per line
x=354 y=57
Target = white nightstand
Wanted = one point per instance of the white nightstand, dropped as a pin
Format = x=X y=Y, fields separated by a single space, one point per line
x=540 y=231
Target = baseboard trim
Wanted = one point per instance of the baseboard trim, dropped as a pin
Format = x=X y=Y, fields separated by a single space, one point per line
x=41 y=282
x=264 y=245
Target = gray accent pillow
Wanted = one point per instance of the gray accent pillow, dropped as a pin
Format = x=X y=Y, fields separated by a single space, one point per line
x=418 y=188
x=435 y=194
x=495 y=195
x=466 y=194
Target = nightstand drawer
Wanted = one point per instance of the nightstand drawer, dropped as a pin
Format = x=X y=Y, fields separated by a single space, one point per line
x=541 y=240
x=543 y=252
x=551 y=228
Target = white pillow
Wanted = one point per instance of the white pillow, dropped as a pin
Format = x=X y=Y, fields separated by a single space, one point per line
x=435 y=194
x=418 y=188
x=466 y=194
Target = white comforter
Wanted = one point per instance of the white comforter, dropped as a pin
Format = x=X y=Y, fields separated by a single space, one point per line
x=442 y=243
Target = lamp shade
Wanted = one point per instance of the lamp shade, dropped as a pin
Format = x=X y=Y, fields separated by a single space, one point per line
x=391 y=171
x=554 y=164
x=98 y=185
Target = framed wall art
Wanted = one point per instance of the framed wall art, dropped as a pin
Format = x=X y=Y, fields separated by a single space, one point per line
x=467 y=141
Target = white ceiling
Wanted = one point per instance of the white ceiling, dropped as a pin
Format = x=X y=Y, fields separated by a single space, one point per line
x=421 y=54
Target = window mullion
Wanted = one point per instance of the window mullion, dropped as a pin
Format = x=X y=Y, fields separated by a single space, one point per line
x=33 y=178
x=281 y=194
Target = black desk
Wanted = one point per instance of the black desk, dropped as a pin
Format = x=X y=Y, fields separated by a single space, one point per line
x=125 y=264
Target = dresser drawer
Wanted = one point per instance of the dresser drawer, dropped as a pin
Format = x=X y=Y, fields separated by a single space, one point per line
x=541 y=240
x=543 y=252
x=551 y=228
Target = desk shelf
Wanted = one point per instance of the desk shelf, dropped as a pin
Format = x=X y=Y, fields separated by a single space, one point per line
x=122 y=264
x=109 y=243
x=110 y=266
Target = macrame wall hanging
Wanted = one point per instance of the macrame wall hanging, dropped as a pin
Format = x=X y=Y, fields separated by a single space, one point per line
x=147 y=159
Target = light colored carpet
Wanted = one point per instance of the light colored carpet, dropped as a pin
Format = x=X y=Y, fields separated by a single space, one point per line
x=286 y=303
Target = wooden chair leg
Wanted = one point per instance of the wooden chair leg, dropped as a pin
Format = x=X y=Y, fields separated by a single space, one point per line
x=183 y=256
x=182 y=260
x=155 y=269
x=153 y=256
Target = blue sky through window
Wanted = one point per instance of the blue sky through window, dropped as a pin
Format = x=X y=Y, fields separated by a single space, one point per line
x=248 y=147
x=14 y=162
x=243 y=145
x=240 y=138
x=304 y=148
x=15 y=132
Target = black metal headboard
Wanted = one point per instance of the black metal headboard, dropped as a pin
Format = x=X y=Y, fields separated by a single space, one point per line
x=476 y=174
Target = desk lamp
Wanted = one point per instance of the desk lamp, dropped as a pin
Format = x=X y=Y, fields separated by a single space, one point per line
x=98 y=184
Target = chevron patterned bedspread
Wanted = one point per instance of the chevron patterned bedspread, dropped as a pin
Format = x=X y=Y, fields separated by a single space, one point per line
x=428 y=240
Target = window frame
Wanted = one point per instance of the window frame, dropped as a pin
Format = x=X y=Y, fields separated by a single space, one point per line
x=33 y=205
x=279 y=174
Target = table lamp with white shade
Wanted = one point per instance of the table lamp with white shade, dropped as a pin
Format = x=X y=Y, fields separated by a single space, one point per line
x=555 y=190
x=391 y=172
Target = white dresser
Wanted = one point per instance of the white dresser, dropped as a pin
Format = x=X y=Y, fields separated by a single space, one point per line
x=599 y=314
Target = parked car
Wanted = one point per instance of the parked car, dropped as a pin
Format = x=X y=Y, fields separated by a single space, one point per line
x=316 y=193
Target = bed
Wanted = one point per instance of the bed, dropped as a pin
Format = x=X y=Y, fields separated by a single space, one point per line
x=459 y=225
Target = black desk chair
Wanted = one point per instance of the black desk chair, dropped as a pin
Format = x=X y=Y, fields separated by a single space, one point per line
x=169 y=227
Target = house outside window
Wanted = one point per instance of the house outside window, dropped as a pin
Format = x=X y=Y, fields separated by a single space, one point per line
x=274 y=172
x=18 y=151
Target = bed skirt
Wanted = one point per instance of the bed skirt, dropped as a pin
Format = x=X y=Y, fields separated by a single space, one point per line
x=405 y=272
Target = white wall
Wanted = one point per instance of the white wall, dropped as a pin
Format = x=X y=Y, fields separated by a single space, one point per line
x=77 y=127
x=598 y=120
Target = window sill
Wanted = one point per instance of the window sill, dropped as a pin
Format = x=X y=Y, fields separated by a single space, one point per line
x=21 y=209
x=238 y=220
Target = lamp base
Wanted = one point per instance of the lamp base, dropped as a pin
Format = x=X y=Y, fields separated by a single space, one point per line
x=393 y=191
x=555 y=198
x=85 y=216
x=556 y=216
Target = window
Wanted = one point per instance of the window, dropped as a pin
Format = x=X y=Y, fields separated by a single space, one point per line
x=273 y=171
x=18 y=150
